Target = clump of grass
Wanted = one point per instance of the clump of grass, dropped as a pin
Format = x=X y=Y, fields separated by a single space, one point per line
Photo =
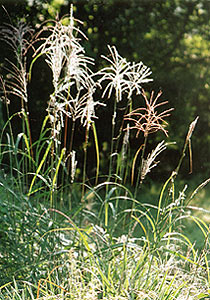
x=74 y=240
x=98 y=265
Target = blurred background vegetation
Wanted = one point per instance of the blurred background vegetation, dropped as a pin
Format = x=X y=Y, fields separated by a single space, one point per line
x=172 y=37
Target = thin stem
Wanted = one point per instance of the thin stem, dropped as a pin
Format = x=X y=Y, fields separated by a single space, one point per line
x=70 y=145
x=9 y=121
x=65 y=128
x=106 y=213
x=85 y=160
x=66 y=120
x=187 y=142
x=182 y=157
x=112 y=139
x=138 y=182
x=128 y=108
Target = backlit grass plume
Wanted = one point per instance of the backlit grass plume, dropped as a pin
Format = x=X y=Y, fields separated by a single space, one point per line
x=147 y=119
x=74 y=87
x=64 y=53
x=123 y=76
x=15 y=87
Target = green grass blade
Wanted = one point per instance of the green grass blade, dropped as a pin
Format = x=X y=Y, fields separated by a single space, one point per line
x=31 y=66
x=143 y=227
x=40 y=166
x=161 y=196
x=57 y=168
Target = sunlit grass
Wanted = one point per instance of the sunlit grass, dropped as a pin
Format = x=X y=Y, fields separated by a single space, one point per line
x=67 y=236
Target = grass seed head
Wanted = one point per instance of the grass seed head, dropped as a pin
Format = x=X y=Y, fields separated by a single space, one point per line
x=122 y=76
x=146 y=119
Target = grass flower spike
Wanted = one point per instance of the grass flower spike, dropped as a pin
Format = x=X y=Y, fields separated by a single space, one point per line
x=149 y=163
x=146 y=119
x=138 y=75
x=64 y=53
x=88 y=112
x=123 y=76
x=18 y=39
x=77 y=67
x=115 y=73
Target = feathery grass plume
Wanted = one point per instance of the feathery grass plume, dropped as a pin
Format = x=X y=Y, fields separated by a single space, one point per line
x=62 y=106
x=72 y=79
x=82 y=107
x=146 y=119
x=138 y=75
x=149 y=163
x=123 y=76
x=116 y=73
x=77 y=68
x=88 y=112
x=64 y=53
x=67 y=104
x=18 y=38
x=66 y=58
x=187 y=143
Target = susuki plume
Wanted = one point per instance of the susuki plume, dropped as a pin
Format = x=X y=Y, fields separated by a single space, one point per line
x=123 y=76
x=149 y=162
x=147 y=119
x=64 y=53
x=18 y=38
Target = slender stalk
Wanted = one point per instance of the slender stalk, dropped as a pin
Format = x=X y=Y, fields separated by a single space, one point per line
x=110 y=159
x=106 y=213
x=54 y=181
x=71 y=145
x=65 y=128
x=85 y=160
x=97 y=151
x=9 y=122
x=66 y=122
x=65 y=146
x=112 y=140
x=138 y=182
x=121 y=165
x=187 y=142
x=182 y=157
